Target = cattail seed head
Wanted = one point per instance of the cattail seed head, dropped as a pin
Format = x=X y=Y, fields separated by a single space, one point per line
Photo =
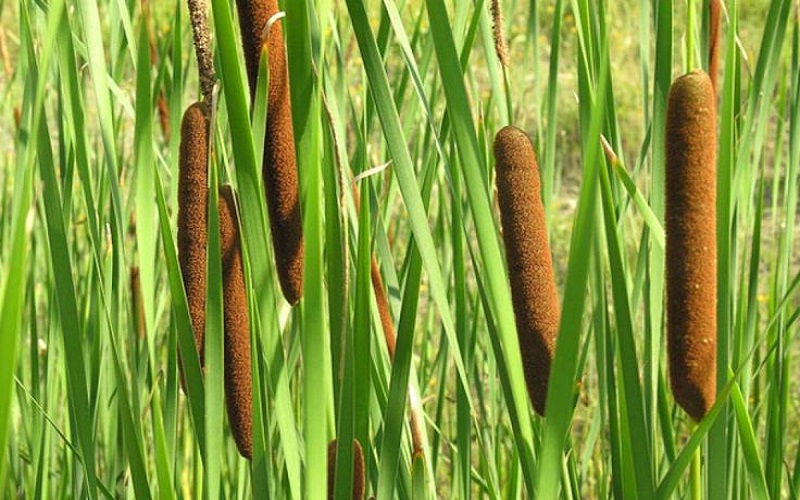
x=192 y=215
x=163 y=116
x=238 y=386
x=389 y=333
x=691 y=253
x=280 y=163
x=358 y=470
x=530 y=266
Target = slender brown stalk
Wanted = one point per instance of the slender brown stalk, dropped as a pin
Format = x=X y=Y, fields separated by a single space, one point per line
x=198 y=15
x=691 y=253
x=500 y=44
x=238 y=385
x=280 y=163
x=530 y=267
x=358 y=470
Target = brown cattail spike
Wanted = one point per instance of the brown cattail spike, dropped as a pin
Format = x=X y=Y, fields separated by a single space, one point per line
x=192 y=215
x=383 y=307
x=530 y=266
x=280 y=163
x=358 y=470
x=714 y=26
x=163 y=116
x=238 y=387
x=690 y=188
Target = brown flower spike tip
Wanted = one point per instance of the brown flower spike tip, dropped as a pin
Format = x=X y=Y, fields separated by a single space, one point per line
x=192 y=215
x=358 y=470
x=238 y=390
x=530 y=265
x=691 y=242
x=280 y=163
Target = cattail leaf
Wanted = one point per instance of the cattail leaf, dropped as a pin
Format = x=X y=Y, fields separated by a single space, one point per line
x=144 y=209
x=214 y=351
x=402 y=166
x=254 y=233
x=12 y=290
x=560 y=390
x=195 y=390
x=755 y=471
x=318 y=405
x=401 y=364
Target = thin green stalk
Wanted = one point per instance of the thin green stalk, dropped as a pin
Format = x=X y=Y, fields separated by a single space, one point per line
x=696 y=476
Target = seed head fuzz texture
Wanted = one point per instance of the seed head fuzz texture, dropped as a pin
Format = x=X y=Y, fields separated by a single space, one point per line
x=238 y=387
x=530 y=266
x=280 y=163
x=193 y=214
x=691 y=253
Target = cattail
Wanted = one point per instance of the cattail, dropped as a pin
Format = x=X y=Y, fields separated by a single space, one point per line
x=530 y=267
x=690 y=189
x=238 y=392
x=358 y=470
x=383 y=307
x=192 y=215
x=280 y=163
x=163 y=116
x=137 y=305
x=714 y=24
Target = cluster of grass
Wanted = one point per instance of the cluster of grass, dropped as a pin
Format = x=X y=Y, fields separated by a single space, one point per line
x=405 y=339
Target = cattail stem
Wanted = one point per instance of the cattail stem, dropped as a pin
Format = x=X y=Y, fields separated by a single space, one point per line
x=696 y=477
x=530 y=267
x=238 y=381
x=198 y=15
x=280 y=163
x=691 y=245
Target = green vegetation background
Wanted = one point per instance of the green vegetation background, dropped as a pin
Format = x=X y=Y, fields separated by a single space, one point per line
x=89 y=120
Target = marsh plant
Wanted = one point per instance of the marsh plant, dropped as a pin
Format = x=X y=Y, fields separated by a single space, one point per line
x=399 y=249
